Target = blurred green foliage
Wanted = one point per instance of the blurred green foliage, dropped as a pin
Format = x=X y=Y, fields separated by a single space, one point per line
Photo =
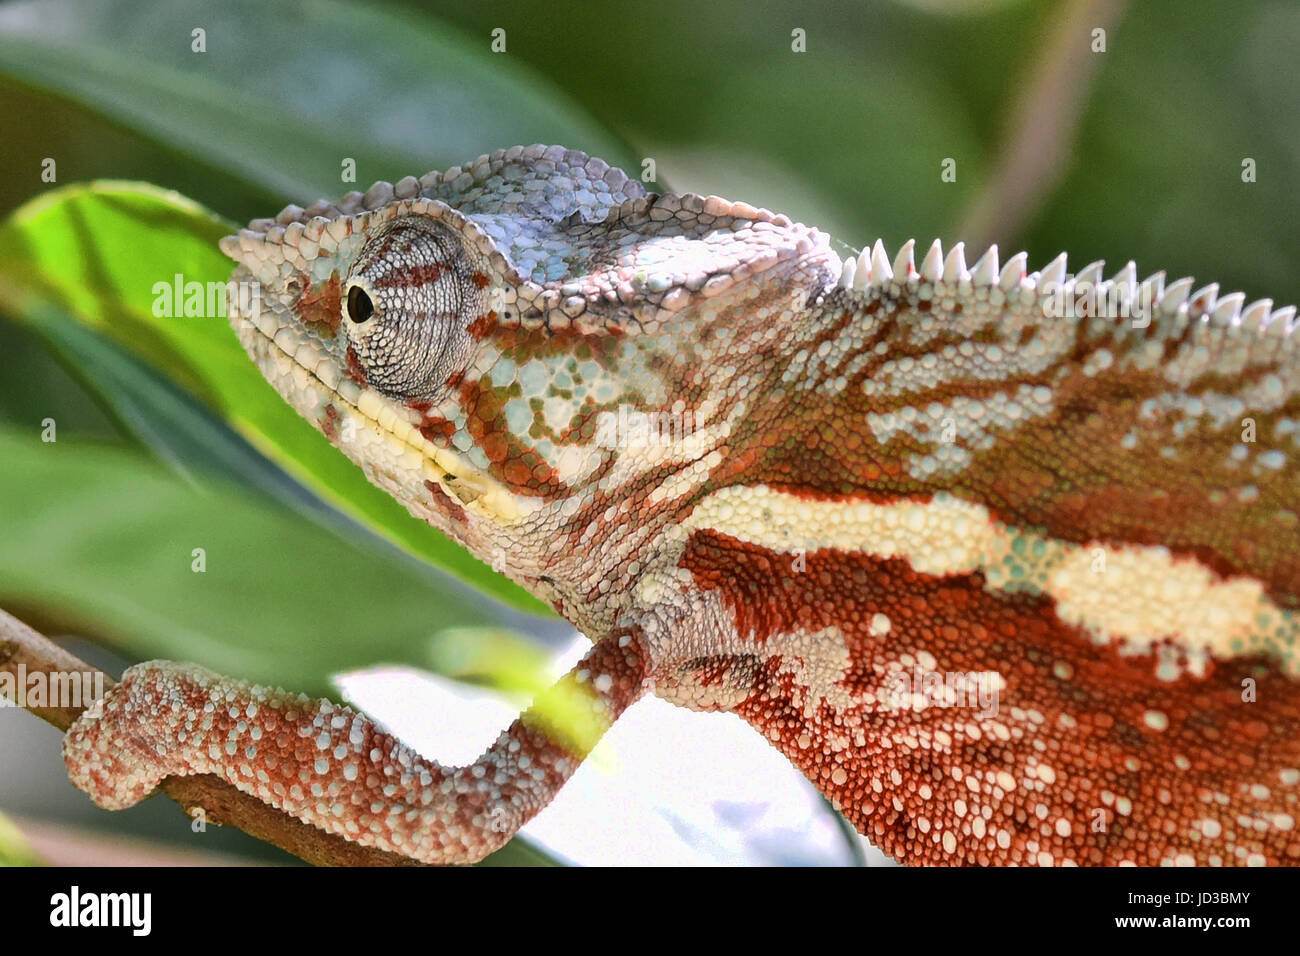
x=14 y=850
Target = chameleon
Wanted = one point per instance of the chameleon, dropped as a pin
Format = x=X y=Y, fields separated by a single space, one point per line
x=1006 y=562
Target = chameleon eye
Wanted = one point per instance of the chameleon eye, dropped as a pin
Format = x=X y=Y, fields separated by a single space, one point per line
x=412 y=292
x=360 y=308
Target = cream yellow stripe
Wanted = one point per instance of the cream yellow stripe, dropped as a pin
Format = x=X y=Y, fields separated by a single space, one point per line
x=1136 y=595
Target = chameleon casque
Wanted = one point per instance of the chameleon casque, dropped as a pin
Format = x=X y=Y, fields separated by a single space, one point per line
x=891 y=484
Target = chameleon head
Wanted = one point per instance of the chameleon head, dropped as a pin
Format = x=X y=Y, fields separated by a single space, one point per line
x=364 y=317
x=476 y=339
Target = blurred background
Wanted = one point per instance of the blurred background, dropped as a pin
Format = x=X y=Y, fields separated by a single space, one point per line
x=1166 y=131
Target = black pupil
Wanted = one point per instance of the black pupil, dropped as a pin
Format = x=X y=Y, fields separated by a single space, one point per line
x=360 y=307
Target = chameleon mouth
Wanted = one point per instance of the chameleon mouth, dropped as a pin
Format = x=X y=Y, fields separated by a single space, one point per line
x=310 y=379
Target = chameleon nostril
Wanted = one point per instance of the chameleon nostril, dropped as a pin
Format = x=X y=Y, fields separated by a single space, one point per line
x=360 y=308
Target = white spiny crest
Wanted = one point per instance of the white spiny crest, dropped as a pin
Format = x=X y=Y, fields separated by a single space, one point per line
x=1091 y=273
x=1127 y=275
x=1203 y=299
x=881 y=274
x=1256 y=314
x=862 y=280
x=904 y=263
x=1153 y=287
x=1228 y=308
x=932 y=265
x=1013 y=272
x=1281 y=322
x=1124 y=284
x=985 y=271
x=872 y=269
x=1176 y=294
x=1053 y=274
x=954 y=267
x=862 y=271
x=847 y=273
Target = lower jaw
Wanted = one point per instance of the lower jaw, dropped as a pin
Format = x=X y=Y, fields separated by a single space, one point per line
x=399 y=464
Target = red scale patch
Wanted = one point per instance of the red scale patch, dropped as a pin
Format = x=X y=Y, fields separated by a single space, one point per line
x=329 y=424
x=356 y=371
x=410 y=277
x=444 y=502
x=321 y=304
x=482 y=326
x=513 y=461
x=1119 y=748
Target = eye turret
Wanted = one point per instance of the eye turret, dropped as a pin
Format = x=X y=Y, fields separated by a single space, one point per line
x=409 y=298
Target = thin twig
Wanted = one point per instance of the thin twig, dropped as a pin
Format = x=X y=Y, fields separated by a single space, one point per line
x=1042 y=124
x=221 y=803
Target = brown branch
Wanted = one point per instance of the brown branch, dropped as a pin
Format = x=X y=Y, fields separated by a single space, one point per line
x=221 y=803
x=1043 y=123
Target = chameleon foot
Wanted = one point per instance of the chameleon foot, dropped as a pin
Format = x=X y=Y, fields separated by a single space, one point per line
x=335 y=769
x=114 y=752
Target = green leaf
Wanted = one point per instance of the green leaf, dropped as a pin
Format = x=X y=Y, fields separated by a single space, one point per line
x=98 y=251
x=178 y=429
x=493 y=656
x=281 y=97
x=100 y=536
